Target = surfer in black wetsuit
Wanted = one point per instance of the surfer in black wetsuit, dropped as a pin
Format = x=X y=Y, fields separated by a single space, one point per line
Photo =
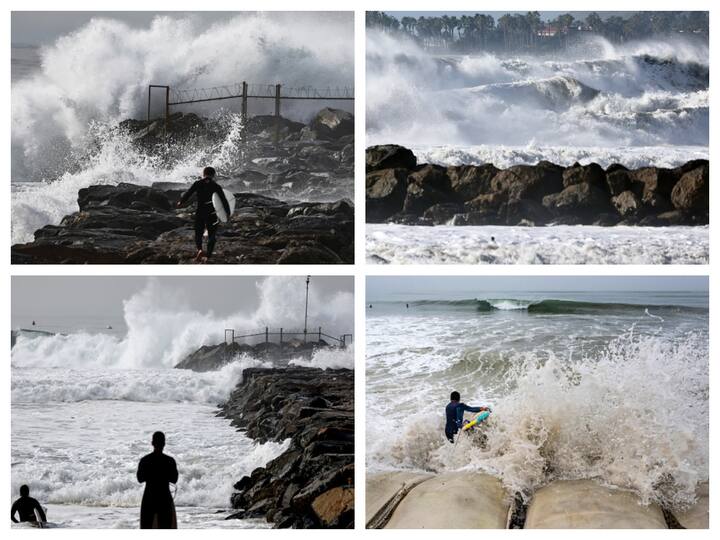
x=454 y=412
x=205 y=216
x=26 y=507
x=158 y=471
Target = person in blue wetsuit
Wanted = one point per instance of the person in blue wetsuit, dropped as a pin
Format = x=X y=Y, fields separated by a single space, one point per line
x=454 y=412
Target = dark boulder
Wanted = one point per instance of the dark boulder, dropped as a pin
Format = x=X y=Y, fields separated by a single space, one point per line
x=385 y=192
x=333 y=123
x=529 y=182
x=582 y=201
x=692 y=192
x=588 y=174
x=389 y=156
x=470 y=181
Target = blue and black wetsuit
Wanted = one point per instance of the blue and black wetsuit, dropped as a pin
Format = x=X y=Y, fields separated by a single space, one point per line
x=205 y=216
x=454 y=412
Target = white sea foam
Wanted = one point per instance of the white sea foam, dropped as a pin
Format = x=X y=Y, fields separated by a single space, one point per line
x=445 y=244
x=328 y=359
x=162 y=329
x=64 y=116
x=632 y=104
x=506 y=156
x=569 y=401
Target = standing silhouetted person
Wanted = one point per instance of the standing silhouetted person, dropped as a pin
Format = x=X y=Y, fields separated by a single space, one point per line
x=26 y=507
x=205 y=216
x=158 y=471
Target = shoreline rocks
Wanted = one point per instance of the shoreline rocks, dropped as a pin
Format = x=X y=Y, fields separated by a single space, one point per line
x=399 y=190
x=311 y=484
x=131 y=224
x=280 y=165
x=214 y=357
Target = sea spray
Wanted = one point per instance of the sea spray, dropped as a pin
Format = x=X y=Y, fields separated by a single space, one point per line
x=65 y=116
x=163 y=329
x=634 y=414
x=641 y=95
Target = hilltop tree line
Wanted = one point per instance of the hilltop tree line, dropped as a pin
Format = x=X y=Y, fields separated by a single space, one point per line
x=514 y=31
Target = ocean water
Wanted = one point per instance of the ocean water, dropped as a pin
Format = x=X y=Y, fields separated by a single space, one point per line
x=610 y=386
x=84 y=405
x=68 y=97
x=641 y=103
x=559 y=244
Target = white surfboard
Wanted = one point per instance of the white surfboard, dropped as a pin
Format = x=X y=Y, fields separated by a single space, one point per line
x=220 y=209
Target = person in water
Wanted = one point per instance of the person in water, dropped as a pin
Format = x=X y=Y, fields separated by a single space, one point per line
x=205 y=216
x=454 y=412
x=26 y=507
x=157 y=471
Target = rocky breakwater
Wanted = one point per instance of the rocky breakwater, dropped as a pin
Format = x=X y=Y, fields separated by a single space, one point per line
x=214 y=357
x=280 y=168
x=399 y=190
x=312 y=483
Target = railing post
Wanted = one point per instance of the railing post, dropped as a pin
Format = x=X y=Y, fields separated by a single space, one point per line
x=267 y=338
x=167 y=108
x=149 y=98
x=277 y=113
x=244 y=105
x=281 y=336
x=319 y=334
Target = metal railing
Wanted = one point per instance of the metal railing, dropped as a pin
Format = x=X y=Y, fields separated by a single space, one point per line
x=282 y=337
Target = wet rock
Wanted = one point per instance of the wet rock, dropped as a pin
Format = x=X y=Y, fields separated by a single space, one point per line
x=585 y=174
x=582 y=201
x=529 y=182
x=399 y=191
x=312 y=483
x=389 y=156
x=692 y=192
x=333 y=123
x=627 y=203
x=470 y=181
x=384 y=491
x=385 y=192
x=112 y=228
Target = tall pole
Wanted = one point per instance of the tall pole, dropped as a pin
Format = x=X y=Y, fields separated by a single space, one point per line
x=307 y=292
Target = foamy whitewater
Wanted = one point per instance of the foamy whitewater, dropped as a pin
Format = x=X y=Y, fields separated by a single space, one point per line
x=611 y=388
x=639 y=104
x=64 y=111
x=84 y=406
x=558 y=244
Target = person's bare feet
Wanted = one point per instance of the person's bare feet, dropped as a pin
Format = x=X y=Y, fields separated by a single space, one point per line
x=199 y=256
x=203 y=260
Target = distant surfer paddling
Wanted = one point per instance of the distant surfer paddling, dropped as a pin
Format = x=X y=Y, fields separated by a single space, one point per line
x=454 y=413
x=28 y=509
x=157 y=470
x=206 y=217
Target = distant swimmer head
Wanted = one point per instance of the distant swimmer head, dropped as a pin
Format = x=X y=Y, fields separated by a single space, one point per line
x=455 y=396
x=158 y=440
x=24 y=491
x=209 y=172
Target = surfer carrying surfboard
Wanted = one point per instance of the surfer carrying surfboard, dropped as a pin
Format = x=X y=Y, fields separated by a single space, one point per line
x=28 y=509
x=206 y=217
x=454 y=413
x=158 y=471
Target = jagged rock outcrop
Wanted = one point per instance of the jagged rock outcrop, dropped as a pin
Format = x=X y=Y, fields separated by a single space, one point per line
x=399 y=190
x=284 y=163
x=312 y=483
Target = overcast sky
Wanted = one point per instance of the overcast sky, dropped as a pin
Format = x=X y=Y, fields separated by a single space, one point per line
x=44 y=27
x=407 y=287
x=70 y=298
